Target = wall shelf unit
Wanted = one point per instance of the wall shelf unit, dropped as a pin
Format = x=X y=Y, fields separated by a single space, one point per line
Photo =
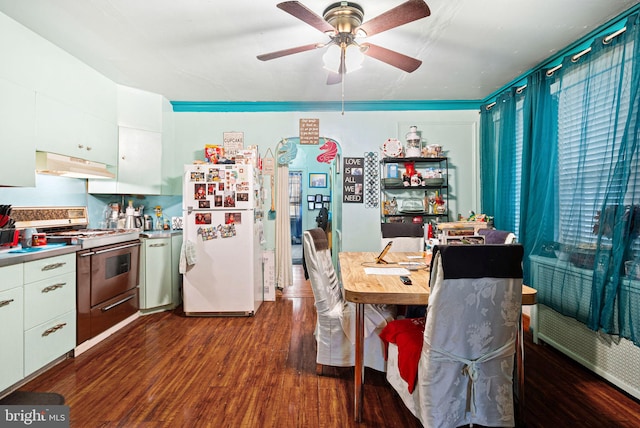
x=409 y=189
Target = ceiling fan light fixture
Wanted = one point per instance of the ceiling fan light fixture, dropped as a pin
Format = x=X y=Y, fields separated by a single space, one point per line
x=331 y=58
x=353 y=58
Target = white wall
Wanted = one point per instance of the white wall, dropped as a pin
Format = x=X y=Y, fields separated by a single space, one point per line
x=357 y=133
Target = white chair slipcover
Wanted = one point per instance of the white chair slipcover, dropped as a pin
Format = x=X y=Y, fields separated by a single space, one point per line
x=465 y=371
x=405 y=236
x=335 y=325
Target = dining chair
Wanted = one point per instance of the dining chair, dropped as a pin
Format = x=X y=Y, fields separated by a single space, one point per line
x=405 y=236
x=335 y=323
x=494 y=236
x=463 y=372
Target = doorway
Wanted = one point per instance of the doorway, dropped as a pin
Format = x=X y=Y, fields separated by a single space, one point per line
x=295 y=215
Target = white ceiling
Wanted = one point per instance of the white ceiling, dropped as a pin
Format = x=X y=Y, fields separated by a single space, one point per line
x=205 y=50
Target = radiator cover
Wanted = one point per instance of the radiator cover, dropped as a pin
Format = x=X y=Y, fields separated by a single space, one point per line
x=618 y=362
x=615 y=359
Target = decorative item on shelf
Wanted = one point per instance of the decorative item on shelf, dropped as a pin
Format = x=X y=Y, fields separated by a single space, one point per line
x=411 y=176
x=392 y=148
x=432 y=151
x=440 y=207
x=414 y=143
x=393 y=207
x=431 y=202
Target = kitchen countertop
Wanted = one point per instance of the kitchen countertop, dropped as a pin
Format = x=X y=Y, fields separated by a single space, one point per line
x=151 y=234
x=7 y=257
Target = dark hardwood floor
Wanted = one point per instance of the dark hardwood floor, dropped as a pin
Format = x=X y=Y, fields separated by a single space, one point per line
x=166 y=370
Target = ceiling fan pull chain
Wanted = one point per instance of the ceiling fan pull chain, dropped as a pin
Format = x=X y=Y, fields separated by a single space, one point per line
x=342 y=88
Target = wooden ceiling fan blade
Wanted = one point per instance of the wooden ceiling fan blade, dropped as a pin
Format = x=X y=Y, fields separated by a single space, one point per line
x=393 y=58
x=290 y=51
x=408 y=11
x=305 y=14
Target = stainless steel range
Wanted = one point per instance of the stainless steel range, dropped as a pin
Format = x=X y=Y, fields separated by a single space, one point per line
x=106 y=264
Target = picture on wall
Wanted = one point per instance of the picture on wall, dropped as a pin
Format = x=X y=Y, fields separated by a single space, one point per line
x=317 y=179
x=352 y=190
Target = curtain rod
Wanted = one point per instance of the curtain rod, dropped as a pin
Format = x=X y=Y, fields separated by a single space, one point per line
x=574 y=58
x=577 y=56
x=518 y=91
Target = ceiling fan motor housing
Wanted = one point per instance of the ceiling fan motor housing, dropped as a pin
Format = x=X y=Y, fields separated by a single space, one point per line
x=344 y=16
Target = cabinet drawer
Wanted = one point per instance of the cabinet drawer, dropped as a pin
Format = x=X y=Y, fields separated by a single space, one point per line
x=11 y=337
x=48 y=341
x=49 y=298
x=11 y=276
x=46 y=268
x=111 y=312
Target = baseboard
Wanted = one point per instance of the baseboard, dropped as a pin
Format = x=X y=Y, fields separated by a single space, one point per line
x=86 y=345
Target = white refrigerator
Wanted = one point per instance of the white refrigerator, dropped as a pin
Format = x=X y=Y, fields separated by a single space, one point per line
x=222 y=228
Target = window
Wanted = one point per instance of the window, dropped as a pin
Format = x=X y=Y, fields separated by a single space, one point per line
x=591 y=114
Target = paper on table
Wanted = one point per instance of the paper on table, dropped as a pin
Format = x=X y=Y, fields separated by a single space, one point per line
x=386 y=271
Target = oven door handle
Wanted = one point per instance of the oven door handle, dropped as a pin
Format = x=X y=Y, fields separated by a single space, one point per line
x=137 y=244
x=113 y=305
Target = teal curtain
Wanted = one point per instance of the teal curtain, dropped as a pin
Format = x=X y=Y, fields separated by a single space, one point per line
x=488 y=160
x=579 y=189
x=539 y=169
x=614 y=300
x=498 y=150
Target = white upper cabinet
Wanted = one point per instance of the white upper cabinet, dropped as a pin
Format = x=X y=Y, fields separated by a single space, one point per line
x=139 y=160
x=66 y=130
x=139 y=165
x=17 y=165
x=75 y=106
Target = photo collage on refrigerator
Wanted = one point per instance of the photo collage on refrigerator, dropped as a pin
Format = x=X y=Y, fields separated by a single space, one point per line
x=220 y=187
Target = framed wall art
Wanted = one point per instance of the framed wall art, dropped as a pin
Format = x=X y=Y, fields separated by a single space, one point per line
x=317 y=179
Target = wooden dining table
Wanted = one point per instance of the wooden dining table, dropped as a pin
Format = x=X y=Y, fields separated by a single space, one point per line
x=386 y=287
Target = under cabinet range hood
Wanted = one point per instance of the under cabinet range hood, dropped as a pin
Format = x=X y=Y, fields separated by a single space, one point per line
x=67 y=166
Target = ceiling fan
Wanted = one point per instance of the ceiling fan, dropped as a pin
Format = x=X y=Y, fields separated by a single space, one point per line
x=342 y=22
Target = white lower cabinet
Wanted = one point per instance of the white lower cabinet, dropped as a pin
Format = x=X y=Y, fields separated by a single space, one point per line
x=49 y=298
x=48 y=341
x=155 y=273
x=11 y=335
x=49 y=310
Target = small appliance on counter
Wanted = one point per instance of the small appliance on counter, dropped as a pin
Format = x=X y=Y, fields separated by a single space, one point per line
x=147 y=222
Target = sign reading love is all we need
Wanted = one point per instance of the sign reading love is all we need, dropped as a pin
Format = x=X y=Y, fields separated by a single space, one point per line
x=352 y=187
